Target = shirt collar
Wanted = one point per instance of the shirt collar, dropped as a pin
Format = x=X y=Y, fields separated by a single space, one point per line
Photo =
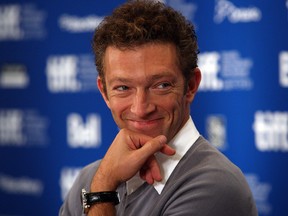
x=183 y=140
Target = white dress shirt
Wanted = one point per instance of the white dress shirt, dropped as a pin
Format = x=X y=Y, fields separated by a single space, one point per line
x=183 y=141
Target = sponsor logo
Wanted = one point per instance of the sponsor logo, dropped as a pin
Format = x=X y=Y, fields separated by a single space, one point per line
x=261 y=192
x=216 y=131
x=283 y=69
x=67 y=178
x=86 y=134
x=21 y=22
x=22 y=128
x=13 y=76
x=75 y=24
x=10 y=22
x=224 y=71
x=21 y=185
x=71 y=73
x=226 y=9
x=271 y=131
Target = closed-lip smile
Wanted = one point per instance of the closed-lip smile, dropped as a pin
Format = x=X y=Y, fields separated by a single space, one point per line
x=141 y=124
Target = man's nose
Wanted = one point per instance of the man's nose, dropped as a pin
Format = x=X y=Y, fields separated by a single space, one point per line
x=142 y=103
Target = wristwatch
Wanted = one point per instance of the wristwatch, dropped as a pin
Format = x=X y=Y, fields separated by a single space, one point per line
x=89 y=199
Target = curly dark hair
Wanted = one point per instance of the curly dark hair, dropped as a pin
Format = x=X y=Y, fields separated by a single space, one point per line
x=146 y=21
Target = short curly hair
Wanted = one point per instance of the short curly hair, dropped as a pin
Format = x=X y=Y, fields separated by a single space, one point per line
x=146 y=21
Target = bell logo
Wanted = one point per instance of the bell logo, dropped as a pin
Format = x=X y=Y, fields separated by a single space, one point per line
x=84 y=134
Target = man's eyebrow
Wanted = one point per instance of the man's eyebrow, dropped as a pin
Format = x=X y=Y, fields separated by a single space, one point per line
x=161 y=75
x=152 y=77
x=120 y=79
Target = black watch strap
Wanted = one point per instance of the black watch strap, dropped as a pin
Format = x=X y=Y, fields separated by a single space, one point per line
x=89 y=199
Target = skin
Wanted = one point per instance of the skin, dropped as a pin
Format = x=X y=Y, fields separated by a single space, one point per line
x=145 y=93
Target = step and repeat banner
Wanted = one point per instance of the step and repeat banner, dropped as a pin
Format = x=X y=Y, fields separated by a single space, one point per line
x=53 y=120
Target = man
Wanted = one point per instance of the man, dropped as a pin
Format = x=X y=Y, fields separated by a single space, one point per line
x=158 y=164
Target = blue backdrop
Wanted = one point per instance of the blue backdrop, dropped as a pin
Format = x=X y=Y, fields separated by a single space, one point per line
x=53 y=120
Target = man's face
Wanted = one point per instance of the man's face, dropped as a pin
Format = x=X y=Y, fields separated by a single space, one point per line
x=145 y=89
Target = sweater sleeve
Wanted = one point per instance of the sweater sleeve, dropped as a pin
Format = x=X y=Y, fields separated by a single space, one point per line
x=72 y=205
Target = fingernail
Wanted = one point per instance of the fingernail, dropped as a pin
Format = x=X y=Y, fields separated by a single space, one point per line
x=162 y=139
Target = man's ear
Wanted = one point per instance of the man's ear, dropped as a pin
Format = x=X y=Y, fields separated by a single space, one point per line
x=103 y=91
x=193 y=84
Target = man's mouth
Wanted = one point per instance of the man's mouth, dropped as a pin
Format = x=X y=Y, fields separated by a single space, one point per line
x=145 y=124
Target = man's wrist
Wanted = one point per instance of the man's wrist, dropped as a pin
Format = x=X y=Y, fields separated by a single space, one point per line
x=103 y=181
x=89 y=199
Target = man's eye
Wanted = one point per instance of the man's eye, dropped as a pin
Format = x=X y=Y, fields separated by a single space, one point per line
x=163 y=85
x=121 y=88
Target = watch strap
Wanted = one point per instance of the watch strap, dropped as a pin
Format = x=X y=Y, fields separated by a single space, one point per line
x=89 y=199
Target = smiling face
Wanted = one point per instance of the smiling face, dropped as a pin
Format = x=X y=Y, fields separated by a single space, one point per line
x=145 y=89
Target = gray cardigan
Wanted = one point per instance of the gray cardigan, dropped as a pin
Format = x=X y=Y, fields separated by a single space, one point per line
x=204 y=183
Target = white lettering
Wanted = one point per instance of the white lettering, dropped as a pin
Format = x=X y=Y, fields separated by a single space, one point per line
x=227 y=9
x=216 y=131
x=11 y=127
x=79 y=24
x=13 y=76
x=82 y=134
x=22 y=185
x=209 y=65
x=224 y=71
x=62 y=73
x=10 y=22
x=261 y=192
x=283 y=69
x=271 y=131
x=68 y=176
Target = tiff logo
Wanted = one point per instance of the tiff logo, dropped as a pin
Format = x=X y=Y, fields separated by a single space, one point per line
x=225 y=71
x=209 y=65
x=283 y=69
x=226 y=9
x=62 y=74
x=86 y=134
x=271 y=131
x=10 y=22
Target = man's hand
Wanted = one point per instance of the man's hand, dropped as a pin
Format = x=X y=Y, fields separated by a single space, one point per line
x=129 y=153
